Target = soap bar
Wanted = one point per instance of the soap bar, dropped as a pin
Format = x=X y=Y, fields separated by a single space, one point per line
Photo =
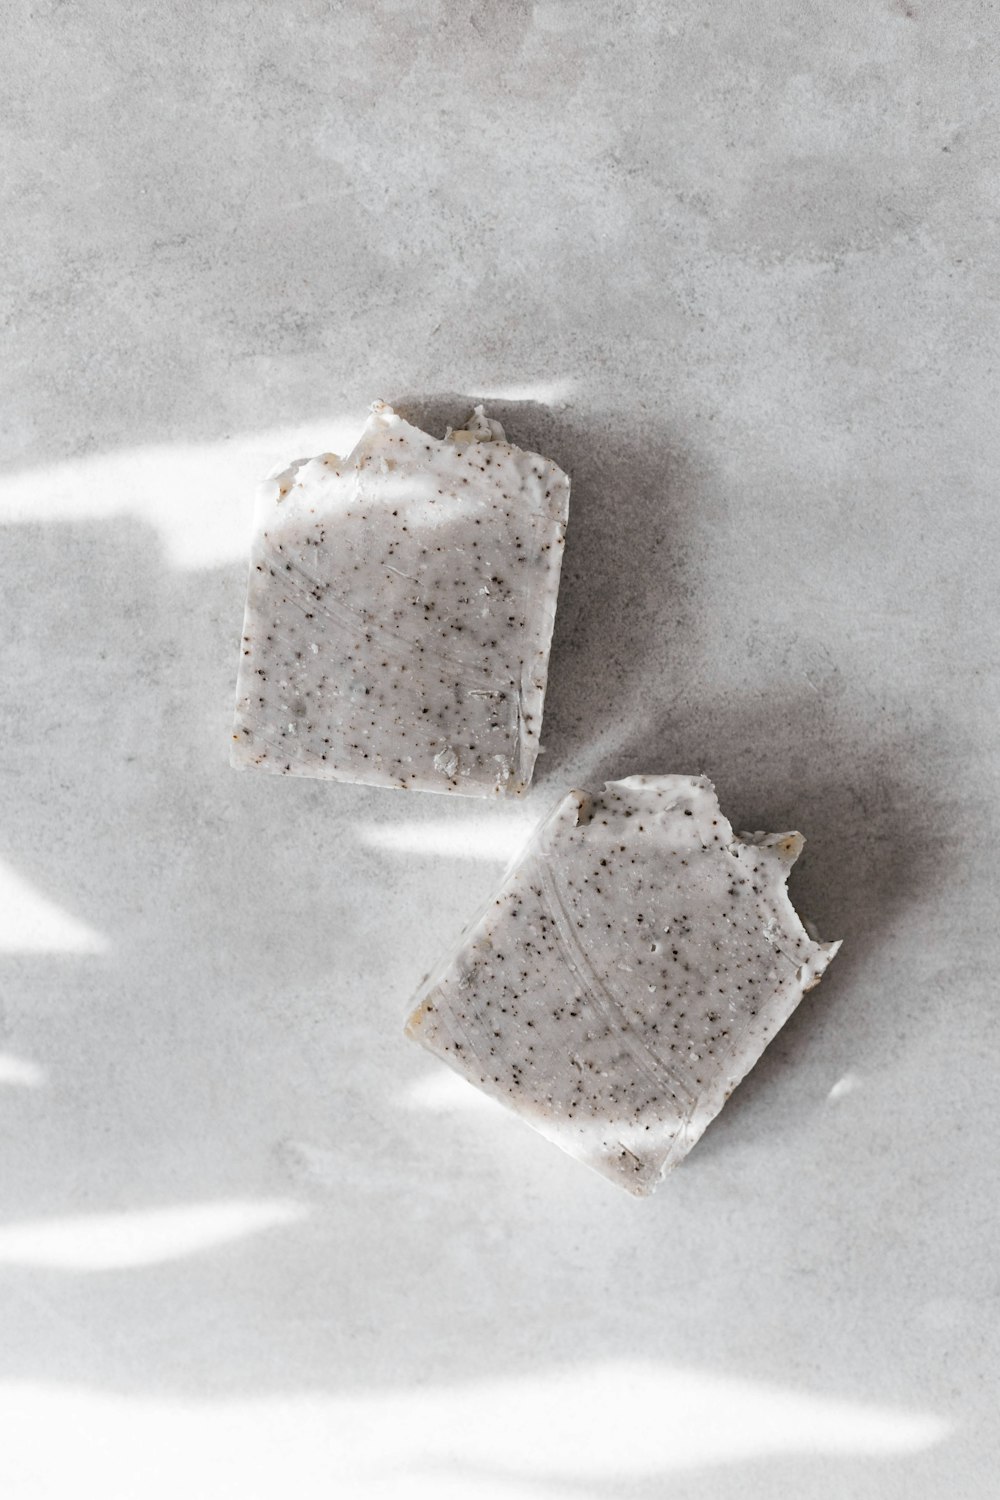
x=400 y=609
x=631 y=970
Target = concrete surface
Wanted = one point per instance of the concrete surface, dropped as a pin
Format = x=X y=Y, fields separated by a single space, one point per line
x=733 y=266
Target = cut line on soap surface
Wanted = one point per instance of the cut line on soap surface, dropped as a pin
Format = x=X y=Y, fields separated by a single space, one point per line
x=629 y=972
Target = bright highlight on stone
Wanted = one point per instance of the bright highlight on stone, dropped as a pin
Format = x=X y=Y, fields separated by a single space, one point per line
x=630 y=972
x=400 y=610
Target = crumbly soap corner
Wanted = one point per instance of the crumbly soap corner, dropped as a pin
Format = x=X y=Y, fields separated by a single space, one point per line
x=627 y=975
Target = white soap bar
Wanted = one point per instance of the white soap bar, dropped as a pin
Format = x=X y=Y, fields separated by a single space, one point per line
x=400 y=609
x=632 y=969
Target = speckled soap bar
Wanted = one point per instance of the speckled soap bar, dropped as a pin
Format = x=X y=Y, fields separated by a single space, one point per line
x=399 y=612
x=636 y=962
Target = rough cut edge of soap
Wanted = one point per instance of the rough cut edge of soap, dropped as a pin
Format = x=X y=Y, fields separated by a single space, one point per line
x=785 y=848
x=479 y=428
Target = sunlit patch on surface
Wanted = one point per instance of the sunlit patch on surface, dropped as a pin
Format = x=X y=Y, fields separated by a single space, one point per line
x=444 y=1092
x=17 y=1071
x=199 y=497
x=31 y=923
x=589 y=1429
x=544 y=392
x=143 y=1237
x=844 y=1086
x=498 y=840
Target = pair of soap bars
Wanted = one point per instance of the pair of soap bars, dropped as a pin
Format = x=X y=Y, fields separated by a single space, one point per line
x=639 y=956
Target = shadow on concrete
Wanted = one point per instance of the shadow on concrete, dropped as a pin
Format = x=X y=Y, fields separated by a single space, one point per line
x=627 y=563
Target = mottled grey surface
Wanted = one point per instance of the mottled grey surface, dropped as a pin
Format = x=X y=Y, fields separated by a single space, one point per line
x=734 y=268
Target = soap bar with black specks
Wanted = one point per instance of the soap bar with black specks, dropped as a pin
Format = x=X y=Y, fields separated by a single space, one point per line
x=636 y=962
x=400 y=609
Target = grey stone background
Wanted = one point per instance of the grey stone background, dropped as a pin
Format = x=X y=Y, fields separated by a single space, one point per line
x=734 y=267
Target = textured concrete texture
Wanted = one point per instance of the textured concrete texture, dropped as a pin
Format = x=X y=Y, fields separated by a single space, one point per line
x=734 y=267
